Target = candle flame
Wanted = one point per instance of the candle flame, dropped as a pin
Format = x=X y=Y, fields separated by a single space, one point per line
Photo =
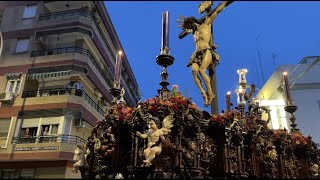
x=285 y=73
x=229 y=92
x=120 y=52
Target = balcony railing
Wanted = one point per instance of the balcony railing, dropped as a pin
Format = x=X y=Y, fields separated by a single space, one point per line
x=62 y=91
x=69 y=50
x=51 y=138
x=49 y=74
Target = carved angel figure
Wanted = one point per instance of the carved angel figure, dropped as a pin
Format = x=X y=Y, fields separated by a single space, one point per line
x=155 y=137
x=315 y=170
x=80 y=157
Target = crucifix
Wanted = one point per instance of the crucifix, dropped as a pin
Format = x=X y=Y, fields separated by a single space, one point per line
x=205 y=56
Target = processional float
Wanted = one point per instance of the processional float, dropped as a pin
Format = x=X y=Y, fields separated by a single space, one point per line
x=169 y=137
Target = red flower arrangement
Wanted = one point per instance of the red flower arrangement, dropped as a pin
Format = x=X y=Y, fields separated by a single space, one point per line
x=217 y=119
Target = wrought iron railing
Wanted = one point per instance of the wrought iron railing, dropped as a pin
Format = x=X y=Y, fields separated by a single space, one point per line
x=62 y=91
x=106 y=75
x=51 y=138
x=48 y=74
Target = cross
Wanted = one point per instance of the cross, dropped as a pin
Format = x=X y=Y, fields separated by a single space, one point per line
x=206 y=7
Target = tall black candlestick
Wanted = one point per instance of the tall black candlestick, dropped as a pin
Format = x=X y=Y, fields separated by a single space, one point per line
x=165 y=34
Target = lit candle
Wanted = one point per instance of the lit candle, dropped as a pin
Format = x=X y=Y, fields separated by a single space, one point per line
x=117 y=74
x=287 y=88
x=165 y=33
x=228 y=101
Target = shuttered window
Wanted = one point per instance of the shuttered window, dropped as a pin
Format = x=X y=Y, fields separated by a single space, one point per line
x=4 y=127
x=27 y=173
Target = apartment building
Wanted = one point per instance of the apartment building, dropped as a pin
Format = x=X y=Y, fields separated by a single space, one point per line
x=305 y=91
x=57 y=64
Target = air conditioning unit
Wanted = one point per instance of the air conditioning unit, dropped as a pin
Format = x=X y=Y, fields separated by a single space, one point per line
x=79 y=122
x=6 y=97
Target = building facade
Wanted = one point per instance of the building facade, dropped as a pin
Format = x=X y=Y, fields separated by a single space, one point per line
x=56 y=66
x=305 y=91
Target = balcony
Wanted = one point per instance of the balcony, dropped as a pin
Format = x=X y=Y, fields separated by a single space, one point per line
x=106 y=75
x=62 y=91
x=62 y=138
x=78 y=13
x=66 y=14
x=87 y=14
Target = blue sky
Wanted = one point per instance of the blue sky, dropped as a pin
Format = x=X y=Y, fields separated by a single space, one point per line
x=288 y=29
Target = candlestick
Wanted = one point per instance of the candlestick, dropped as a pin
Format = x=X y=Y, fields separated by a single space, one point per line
x=228 y=101
x=165 y=34
x=287 y=88
x=240 y=93
x=117 y=74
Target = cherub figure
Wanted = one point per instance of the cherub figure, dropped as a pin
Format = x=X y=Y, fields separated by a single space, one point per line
x=205 y=53
x=80 y=157
x=315 y=169
x=155 y=137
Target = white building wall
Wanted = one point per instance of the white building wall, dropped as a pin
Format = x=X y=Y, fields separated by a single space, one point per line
x=305 y=93
x=308 y=112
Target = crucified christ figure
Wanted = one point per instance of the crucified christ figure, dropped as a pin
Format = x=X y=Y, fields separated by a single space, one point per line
x=204 y=54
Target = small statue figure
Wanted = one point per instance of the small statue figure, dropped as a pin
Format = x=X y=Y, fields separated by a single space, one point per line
x=97 y=143
x=315 y=170
x=121 y=100
x=273 y=153
x=155 y=137
x=80 y=157
x=204 y=54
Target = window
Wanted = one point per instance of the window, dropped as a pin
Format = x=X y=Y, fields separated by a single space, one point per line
x=13 y=85
x=48 y=133
x=49 y=129
x=10 y=174
x=22 y=45
x=45 y=130
x=4 y=127
x=27 y=173
x=26 y=132
x=29 y=11
x=54 y=129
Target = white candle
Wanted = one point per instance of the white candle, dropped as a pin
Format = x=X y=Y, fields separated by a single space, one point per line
x=228 y=101
x=117 y=72
x=287 y=88
x=165 y=33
